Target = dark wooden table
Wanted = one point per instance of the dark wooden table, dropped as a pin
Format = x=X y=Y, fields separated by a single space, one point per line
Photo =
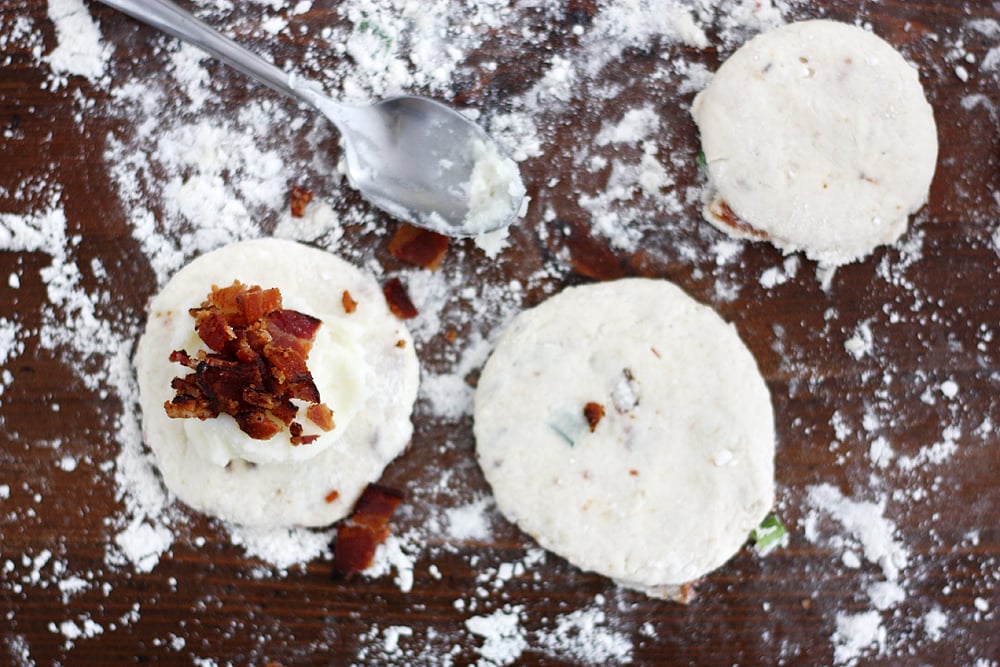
x=925 y=386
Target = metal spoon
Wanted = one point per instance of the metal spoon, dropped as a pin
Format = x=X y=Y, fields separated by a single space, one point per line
x=411 y=156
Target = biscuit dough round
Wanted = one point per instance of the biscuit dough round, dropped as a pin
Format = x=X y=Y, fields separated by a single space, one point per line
x=677 y=472
x=819 y=136
x=292 y=492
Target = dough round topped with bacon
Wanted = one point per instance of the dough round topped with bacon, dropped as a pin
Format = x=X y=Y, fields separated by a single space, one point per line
x=817 y=137
x=274 y=383
x=626 y=428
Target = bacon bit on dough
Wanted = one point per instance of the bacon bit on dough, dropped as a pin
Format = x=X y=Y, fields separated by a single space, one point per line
x=298 y=199
x=633 y=472
x=419 y=246
x=400 y=343
x=350 y=305
x=367 y=527
x=398 y=300
x=684 y=594
x=256 y=367
x=593 y=412
x=722 y=213
x=332 y=496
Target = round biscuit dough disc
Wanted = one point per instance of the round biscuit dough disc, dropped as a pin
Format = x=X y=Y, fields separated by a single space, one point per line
x=680 y=468
x=281 y=493
x=818 y=135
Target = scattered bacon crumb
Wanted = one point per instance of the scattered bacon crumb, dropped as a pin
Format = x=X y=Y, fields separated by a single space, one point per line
x=593 y=412
x=350 y=305
x=354 y=550
x=451 y=335
x=376 y=505
x=321 y=415
x=298 y=199
x=398 y=300
x=332 y=496
x=400 y=343
x=685 y=594
x=633 y=472
x=256 y=366
x=419 y=246
x=367 y=527
x=721 y=211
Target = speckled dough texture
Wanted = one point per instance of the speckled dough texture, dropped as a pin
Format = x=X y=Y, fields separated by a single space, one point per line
x=679 y=469
x=280 y=494
x=818 y=134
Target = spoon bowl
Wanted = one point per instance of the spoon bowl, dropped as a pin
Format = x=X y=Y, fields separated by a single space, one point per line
x=411 y=156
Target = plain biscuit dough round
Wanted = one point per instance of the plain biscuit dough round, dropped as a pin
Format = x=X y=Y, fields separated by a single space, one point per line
x=680 y=468
x=818 y=134
x=280 y=494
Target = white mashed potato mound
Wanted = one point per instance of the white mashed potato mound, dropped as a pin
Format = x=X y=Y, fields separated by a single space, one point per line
x=363 y=364
x=819 y=137
x=672 y=479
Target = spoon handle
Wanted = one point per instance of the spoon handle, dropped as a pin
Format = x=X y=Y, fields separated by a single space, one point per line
x=171 y=19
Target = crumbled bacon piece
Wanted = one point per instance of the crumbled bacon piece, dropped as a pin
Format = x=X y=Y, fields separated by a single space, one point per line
x=376 y=505
x=350 y=305
x=398 y=300
x=320 y=415
x=256 y=366
x=721 y=211
x=368 y=527
x=332 y=496
x=354 y=549
x=685 y=594
x=298 y=199
x=419 y=246
x=593 y=412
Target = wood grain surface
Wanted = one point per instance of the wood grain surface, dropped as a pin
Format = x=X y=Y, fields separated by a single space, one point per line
x=930 y=302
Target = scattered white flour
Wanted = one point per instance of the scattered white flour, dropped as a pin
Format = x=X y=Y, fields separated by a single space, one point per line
x=583 y=637
x=80 y=50
x=143 y=544
x=392 y=635
x=865 y=522
x=779 y=275
x=283 y=547
x=503 y=638
x=880 y=452
x=949 y=388
x=396 y=553
x=860 y=343
x=10 y=345
x=936 y=453
x=935 y=622
x=470 y=521
x=857 y=635
x=72 y=631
